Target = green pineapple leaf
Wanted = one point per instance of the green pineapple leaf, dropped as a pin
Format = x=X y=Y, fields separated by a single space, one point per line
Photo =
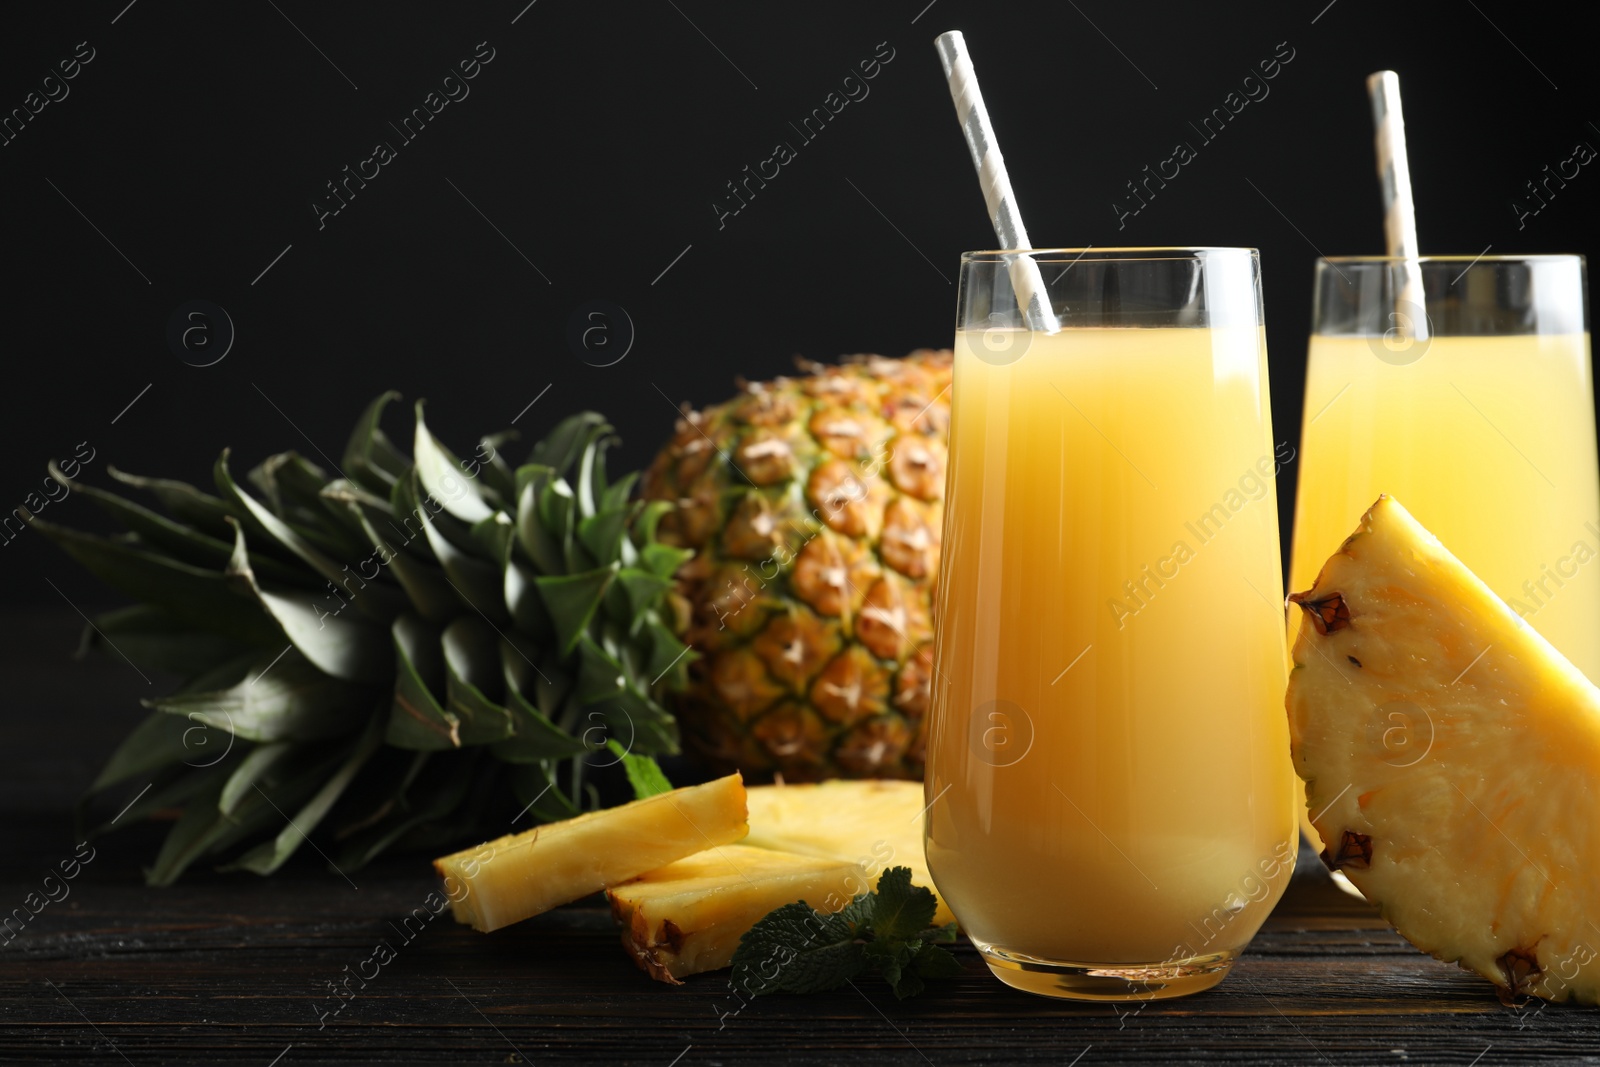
x=338 y=643
x=193 y=595
x=182 y=543
x=474 y=682
x=369 y=457
x=544 y=547
x=152 y=638
x=425 y=584
x=562 y=446
x=399 y=654
x=271 y=854
x=528 y=613
x=154 y=745
x=492 y=466
x=256 y=765
x=534 y=737
x=540 y=794
x=602 y=533
x=476 y=581
x=206 y=513
x=264 y=524
x=432 y=795
x=572 y=600
x=642 y=724
x=417 y=720
x=445 y=478
x=277 y=698
x=199 y=828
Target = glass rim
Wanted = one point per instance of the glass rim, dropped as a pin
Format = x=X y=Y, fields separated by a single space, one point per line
x=1532 y=257
x=1130 y=254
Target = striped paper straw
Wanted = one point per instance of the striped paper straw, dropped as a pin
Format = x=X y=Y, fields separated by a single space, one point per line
x=1026 y=280
x=1394 y=174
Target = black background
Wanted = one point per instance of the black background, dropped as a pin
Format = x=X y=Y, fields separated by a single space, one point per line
x=594 y=146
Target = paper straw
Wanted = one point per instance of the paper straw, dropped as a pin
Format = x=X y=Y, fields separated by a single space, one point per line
x=1399 y=211
x=991 y=167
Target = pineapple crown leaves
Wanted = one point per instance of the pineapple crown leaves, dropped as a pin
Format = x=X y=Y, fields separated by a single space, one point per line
x=889 y=932
x=390 y=650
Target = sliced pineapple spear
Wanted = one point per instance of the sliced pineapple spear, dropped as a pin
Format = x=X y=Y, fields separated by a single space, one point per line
x=688 y=916
x=821 y=844
x=684 y=894
x=518 y=876
x=1452 y=761
x=876 y=824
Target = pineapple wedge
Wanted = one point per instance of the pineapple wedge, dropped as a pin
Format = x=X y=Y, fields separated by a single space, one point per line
x=876 y=824
x=1452 y=761
x=688 y=916
x=518 y=876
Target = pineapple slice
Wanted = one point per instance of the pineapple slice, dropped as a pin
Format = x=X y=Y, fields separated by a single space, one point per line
x=1452 y=761
x=874 y=823
x=518 y=876
x=688 y=916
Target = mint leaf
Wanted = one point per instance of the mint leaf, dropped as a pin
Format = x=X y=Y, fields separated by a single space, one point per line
x=644 y=773
x=890 y=959
x=902 y=910
x=920 y=960
x=935 y=962
x=858 y=913
x=796 y=949
x=907 y=984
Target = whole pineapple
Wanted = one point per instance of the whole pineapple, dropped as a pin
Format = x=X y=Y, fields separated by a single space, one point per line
x=814 y=506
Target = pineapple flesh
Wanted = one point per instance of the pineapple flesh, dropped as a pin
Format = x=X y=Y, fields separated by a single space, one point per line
x=814 y=507
x=875 y=824
x=521 y=875
x=1452 y=761
x=688 y=916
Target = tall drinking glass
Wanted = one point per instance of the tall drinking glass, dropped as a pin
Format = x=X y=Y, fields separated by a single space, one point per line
x=1110 y=810
x=1484 y=429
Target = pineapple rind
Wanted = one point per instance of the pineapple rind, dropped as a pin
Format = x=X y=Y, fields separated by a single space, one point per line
x=814 y=505
x=1465 y=748
x=521 y=875
x=688 y=917
x=874 y=823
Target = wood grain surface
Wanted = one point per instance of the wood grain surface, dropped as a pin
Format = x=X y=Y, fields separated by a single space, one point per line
x=235 y=969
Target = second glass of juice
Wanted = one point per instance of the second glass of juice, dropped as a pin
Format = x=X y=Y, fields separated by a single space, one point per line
x=1483 y=428
x=1110 y=810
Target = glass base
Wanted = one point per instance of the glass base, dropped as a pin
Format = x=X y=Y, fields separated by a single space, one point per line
x=1065 y=980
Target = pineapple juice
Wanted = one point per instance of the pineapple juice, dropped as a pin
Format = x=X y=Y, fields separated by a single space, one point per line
x=1106 y=765
x=1489 y=442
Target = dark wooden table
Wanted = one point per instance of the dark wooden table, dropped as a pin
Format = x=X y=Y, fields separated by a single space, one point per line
x=235 y=969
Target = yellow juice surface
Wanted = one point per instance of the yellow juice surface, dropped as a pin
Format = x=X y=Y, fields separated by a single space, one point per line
x=1106 y=760
x=1489 y=442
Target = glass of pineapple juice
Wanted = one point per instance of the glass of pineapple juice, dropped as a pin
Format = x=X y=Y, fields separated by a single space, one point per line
x=1110 y=814
x=1483 y=427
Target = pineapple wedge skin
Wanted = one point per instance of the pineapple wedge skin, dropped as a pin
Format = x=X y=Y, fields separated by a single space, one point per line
x=875 y=823
x=521 y=875
x=1452 y=761
x=688 y=917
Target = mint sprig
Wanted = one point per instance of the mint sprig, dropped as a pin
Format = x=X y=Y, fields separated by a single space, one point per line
x=797 y=949
x=644 y=773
